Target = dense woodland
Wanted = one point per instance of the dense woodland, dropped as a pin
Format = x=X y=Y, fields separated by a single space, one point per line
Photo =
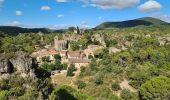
x=146 y=64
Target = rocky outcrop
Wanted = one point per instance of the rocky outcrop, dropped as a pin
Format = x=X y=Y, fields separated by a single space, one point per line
x=20 y=63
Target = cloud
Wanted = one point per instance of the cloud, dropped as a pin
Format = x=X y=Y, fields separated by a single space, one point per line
x=18 y=13
x=13 y=23
x=150 y=6
x=110 y=4
x=60 y=15
x=58 y=26
x=85 y=25
x=45 y=8
x=163 y=17
x=61 y=0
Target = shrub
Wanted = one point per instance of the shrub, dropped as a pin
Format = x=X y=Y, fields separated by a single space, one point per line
x=3 y=95
x=127 y=95
x=80 y=84
x=70 y=70
x=57 y=57
x=46 y=59
x=98 y=79
x=65 y=66
x=115 y=87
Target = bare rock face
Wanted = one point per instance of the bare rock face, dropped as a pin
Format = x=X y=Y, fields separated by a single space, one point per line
x=20 y=63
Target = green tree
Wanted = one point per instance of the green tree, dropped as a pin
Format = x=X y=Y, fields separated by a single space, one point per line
x=98 y=79
x=29 y=49
x=46 y=59
x=115 y=86
x=157 y=88
x=74 y=45
x=71 y=29
x=127 y=95
x=57 y=56
x=70 y=70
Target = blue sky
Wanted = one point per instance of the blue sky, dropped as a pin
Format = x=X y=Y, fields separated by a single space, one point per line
x=84 y=13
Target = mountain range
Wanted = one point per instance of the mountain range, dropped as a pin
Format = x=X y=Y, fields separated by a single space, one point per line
x=146 y=21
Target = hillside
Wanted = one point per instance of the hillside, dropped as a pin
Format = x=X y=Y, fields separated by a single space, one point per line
x=14 y=30
x=146 y=21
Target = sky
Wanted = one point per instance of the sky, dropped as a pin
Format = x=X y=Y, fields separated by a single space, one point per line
x=60 y=14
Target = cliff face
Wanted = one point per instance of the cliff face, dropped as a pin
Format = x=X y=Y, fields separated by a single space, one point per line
x=20 y=63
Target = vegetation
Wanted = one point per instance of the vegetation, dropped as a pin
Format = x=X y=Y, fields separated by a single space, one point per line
x=142 y=61
x=127 y=95
x=70 y=70
x=156 y=88
x=146 y=21
x=68 y=93
x=80 y=84
x=115 y=87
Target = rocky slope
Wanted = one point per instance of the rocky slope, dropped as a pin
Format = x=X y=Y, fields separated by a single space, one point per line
x=20 y=63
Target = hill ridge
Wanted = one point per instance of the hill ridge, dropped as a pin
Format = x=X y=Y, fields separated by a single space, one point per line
x=146 y=21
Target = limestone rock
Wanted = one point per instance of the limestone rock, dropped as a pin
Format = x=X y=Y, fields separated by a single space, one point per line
x=20 y=63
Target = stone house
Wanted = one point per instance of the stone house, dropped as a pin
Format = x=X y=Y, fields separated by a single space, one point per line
x=44 y=53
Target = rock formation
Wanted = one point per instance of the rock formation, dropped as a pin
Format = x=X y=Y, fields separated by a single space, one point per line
x=20 y=63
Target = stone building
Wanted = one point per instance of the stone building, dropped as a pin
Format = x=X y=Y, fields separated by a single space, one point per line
x=91 y=49
x=64 y=43
x=60 y=44
x=74 y=57
x=44 y=53
x=100 y=38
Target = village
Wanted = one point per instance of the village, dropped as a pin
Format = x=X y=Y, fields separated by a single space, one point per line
x=77 y=58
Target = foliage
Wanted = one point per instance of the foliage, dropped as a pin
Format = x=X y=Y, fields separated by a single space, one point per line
x=68 y=93
x=74 y=45
x=71 y=29
x=65 y=66
x=70 y=70
x=52 y=66
x=57 y=56
x=98 y=79
x=127 y=95
x=3 y=95
x=14 y=87
x=156 y=88
x=111 y=43
x=80 y=84
x=115 y=86
x=46 y=59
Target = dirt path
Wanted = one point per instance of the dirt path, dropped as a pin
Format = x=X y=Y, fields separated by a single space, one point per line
x=74 y=78
x=125 y=85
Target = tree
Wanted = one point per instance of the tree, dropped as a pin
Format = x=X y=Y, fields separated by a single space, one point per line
x=111 y=42
x=157 y=88
x=46 y=59
x=70 y=70
x=98 y=79
x=71 y=29
x=29 y=49
x=74 y=45
x=127 y=95
x=58 y=65
x=57 y=56
x=115 y=86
